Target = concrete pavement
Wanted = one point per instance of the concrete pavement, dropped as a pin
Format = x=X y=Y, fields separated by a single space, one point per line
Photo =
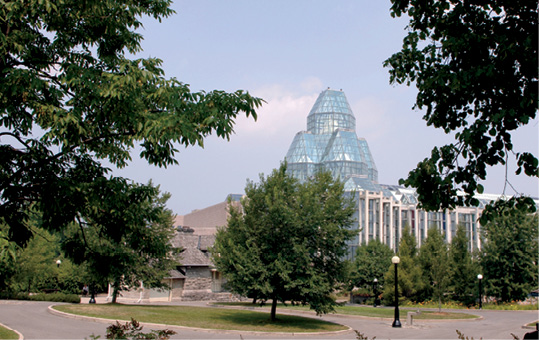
x=35 y=321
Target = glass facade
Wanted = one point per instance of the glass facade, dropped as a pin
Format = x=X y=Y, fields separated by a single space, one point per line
x=330 y=143
x=383 y=211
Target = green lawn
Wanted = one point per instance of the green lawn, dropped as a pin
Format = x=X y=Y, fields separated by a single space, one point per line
x=7 y=333
x=201 y=317
x=368 y=311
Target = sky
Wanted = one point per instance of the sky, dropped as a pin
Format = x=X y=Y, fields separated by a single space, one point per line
x=287 y=53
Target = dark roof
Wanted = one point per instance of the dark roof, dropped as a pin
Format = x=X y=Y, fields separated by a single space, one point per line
x=194 y=249
x=174 y=274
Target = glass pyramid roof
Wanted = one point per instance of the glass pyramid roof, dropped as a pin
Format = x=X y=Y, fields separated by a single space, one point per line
x=330 y=143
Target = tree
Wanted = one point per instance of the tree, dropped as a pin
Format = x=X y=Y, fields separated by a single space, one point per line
x=371 y=262
x=127 y=240
x=510 y=255
x=287 y=242
x=8 y=259
x=463 y=269
x=474 y=64
x=70 y=98
x=434 y=261
x=410 y=283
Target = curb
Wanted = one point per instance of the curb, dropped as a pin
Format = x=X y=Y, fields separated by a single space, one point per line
x=21 y=337
x=209 y=330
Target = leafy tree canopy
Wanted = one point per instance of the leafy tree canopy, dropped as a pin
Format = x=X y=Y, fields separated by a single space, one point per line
x=127 y=240
x=475 y=66
x=371 y=262
x=287 y=242
x=70 y=98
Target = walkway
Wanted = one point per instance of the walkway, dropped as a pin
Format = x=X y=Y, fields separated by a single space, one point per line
x=34 y=321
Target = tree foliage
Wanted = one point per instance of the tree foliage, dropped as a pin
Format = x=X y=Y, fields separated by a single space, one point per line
x=70 y=98
x=474 y=64
x=463 y=269
x=288 y=241
x=434 y=262
x=410 y=280
x=371 y=262
x=127 y=240
x=510 y=255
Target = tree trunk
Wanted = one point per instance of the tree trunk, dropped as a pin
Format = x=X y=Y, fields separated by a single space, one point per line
x=274 y=310
x=115 y=290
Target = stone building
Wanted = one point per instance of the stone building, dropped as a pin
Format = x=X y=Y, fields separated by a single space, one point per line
x=194 y=279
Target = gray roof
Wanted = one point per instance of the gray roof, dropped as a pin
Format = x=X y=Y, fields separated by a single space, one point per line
x=194 y=249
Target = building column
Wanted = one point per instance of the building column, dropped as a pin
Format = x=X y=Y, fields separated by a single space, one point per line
x=391 y=225
x=448 y=227
x=366 y=219
x=381 y=232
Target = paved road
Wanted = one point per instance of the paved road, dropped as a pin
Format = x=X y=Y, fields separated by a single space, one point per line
x=34 y=321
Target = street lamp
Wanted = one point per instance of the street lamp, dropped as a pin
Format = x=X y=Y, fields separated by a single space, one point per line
x=480 y=277
x=395 y=260
x=92 y=293
x=375 y=291
x=58 y=263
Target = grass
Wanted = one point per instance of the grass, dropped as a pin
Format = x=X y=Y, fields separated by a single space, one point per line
x=202 y=317
x=379 y=312
x=7 y=333
x=492 y=306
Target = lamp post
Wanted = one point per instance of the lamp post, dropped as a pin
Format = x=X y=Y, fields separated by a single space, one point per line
x=92 y=293
x=480 y=277
x=375 y=291
x=58 y=263
x=395 y=260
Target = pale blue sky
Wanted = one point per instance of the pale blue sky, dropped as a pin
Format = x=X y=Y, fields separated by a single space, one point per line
x=287 y=52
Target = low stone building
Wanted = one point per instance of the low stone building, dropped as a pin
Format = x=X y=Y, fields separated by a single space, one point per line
x=194 y=279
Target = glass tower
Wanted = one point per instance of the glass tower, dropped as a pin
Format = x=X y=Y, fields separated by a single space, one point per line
x=331 y=143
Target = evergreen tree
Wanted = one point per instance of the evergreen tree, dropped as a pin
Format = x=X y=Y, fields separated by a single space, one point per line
x=434 y=262
x=410 y=283
x=510 y=254
x=288 y=241
x=463 y=269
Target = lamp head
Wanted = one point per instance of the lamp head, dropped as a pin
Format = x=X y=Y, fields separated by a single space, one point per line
x=395 y=259
x=479 y=276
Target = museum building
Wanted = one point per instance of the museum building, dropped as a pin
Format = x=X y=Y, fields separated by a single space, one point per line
x=330 y=143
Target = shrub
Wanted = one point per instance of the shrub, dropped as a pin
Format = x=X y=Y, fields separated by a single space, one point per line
x=55 y=297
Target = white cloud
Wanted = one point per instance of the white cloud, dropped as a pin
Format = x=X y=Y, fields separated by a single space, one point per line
x=284 y=112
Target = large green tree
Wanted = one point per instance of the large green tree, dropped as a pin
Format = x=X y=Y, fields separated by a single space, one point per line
x=371 y=262
x=474 y=64
x=126 y=240
x=287 y=241
x=70 y=98
x=510 y=255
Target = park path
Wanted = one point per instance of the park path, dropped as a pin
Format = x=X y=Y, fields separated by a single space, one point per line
x=34 y=321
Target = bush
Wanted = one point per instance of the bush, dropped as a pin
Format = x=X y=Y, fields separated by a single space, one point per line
x=133 y=330
x=55 y=297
